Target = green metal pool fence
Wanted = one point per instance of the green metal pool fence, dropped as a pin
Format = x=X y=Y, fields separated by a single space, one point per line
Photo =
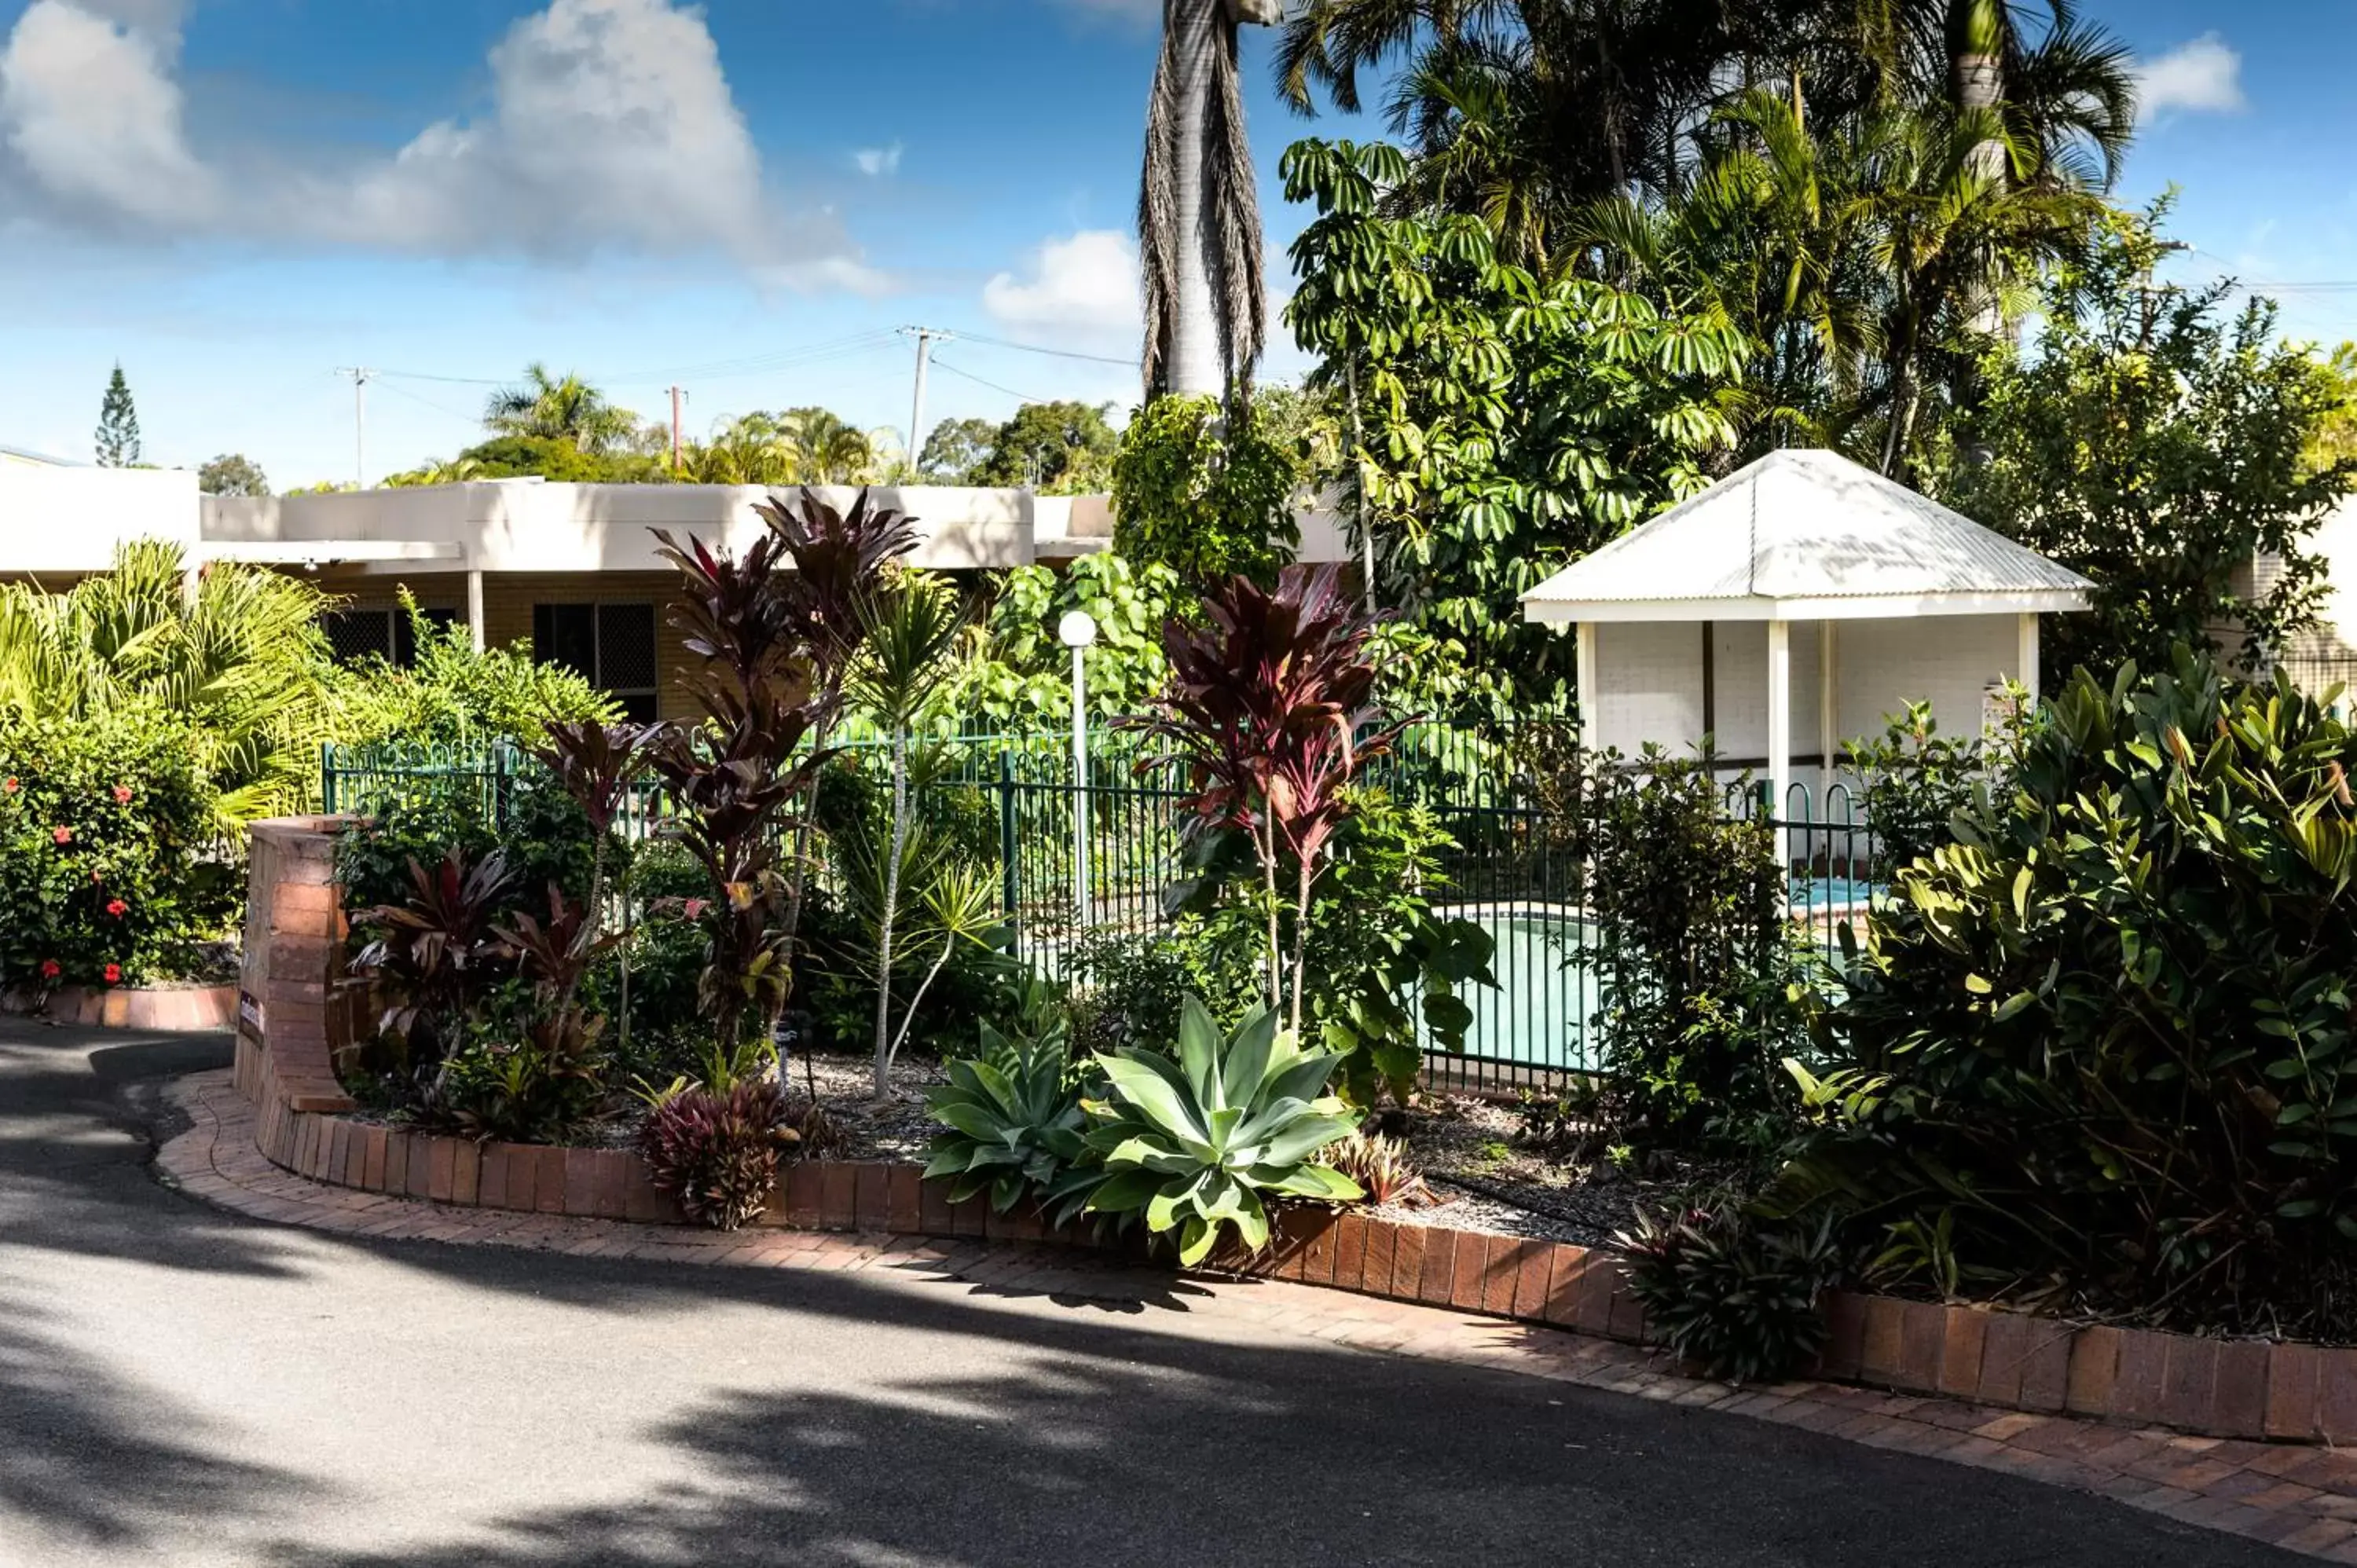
x=1073 y=862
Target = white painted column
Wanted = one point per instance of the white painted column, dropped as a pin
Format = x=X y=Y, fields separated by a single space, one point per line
x=1779 y=730
x=1586 y=673
x=2026 y=659
x=1829 y=736
x=475 y=609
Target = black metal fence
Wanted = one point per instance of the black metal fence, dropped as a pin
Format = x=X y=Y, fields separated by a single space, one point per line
x=1072 y=862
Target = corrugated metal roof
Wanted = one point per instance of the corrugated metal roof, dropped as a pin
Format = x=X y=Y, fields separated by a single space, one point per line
x=1804 y=524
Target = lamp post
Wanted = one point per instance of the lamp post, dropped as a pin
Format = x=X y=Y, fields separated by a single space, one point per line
x=1078 y=631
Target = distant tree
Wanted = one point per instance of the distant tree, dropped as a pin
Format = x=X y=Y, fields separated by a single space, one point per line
x=2336 y=437
x=1059 y=448
x=956 y=450
x=118 y=425
x=439 y=471
x=2158 y=443
x=232 y=474
x=559 y=408
x=549 y=458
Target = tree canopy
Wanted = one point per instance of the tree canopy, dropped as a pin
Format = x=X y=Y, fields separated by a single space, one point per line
x=232 y=474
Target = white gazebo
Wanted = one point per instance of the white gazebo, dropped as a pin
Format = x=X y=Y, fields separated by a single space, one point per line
x=1803 y=593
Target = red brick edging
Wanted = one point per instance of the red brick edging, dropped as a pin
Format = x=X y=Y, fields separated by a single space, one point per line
x=2228 y=1388
x=164 y=1009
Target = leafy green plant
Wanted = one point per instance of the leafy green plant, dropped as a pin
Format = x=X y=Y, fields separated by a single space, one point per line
x=1013 y=1126
x=450 y=694
x=1015 y=675
x=716 y=1150
x=1208 y=500
x=1737 y=1298
x=2105 y=1035
x=1131 y=987
x=1194 y=1143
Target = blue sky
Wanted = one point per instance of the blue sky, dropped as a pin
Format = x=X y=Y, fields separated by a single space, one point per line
x=236 y=198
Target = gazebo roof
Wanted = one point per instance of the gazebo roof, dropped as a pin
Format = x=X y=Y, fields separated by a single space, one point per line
x=1806 y=535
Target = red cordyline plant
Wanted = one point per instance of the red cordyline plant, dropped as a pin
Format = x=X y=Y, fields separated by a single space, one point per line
x=839 y=561
x=595 y=764
x=1268 y=709
x=735 y=775
x=436 y=953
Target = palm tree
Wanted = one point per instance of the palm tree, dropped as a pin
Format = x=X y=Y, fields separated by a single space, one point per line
x=441 y=471
x=561 y=408
x=242 y=660
x=1528 y=112
x=1197 y=207
x=827 y=449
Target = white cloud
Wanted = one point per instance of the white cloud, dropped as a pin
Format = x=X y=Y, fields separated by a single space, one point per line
x=608 y=122
x=1084 y=285
x=93 y=113
x=878 y=163
x=2202 y=76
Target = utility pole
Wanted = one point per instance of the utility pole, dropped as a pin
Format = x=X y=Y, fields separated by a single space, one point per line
x=676 y=394
x=359 y=374
x=926 y=337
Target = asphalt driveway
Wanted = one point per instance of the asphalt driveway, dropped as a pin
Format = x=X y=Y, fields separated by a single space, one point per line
x=181 y=1386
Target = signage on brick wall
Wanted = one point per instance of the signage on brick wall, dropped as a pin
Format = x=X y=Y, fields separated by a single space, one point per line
x=249 y=1015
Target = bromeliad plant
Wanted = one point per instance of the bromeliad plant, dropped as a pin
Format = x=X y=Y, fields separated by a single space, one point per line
x=1269 y=715
x=1194 y=1143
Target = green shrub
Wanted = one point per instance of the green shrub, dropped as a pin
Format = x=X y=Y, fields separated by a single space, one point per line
x=1131 y=985
x=545 y=839
x=1207 y=502
x=450 y=695
x=1692 y=951
x=1193 y=1143
x=1735 y=1297
x=108 y=867
x=2106 y=1039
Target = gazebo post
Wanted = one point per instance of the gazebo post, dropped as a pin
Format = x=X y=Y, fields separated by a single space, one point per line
x=1780 y=731
x=1584 y=671
x=1828 y=709
x=2026 y=657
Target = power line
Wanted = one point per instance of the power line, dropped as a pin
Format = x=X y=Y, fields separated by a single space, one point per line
x=1057 y=353
x=942 y=364
x=474 y=418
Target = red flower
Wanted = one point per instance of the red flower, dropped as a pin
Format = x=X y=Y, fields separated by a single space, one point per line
x=63 y=835
x=117 y=907
x=51 y=969
x=9 y=786
x=123 y=794
x=113 y=973
x=695 y=908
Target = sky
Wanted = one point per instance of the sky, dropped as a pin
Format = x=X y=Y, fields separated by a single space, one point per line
x=241 y=201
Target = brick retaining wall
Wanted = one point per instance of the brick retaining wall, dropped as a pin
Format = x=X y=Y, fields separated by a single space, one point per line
x=290 y=1024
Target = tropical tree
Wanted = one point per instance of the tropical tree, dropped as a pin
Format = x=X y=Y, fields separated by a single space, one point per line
x=559 y=408
x=1527 y=112
x=956 y=450
x=827 y=449
x=1511 y=425
x=2159 y=444
x=242 y=660
x=1057 y=447
x=1198 y=210
x=232 y=474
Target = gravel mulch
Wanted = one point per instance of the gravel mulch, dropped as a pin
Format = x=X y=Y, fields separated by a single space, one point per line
x=1486 y=1177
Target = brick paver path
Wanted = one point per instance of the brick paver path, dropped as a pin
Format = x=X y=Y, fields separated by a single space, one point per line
x=2301 y=1497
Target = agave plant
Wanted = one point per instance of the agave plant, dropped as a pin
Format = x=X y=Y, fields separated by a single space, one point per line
x=1012 y=1124
x=1194 y=1143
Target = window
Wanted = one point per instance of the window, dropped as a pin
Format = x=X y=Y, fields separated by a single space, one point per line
x=610 y=646
x=355 y=635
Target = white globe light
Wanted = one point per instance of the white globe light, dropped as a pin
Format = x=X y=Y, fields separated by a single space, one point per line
x=1077 y=630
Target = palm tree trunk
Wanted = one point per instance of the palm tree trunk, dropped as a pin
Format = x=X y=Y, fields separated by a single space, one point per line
x=1977 y=71
x=1194 y=27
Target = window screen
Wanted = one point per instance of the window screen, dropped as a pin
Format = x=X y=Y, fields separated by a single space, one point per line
x=355 y=635
x=611 y=646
